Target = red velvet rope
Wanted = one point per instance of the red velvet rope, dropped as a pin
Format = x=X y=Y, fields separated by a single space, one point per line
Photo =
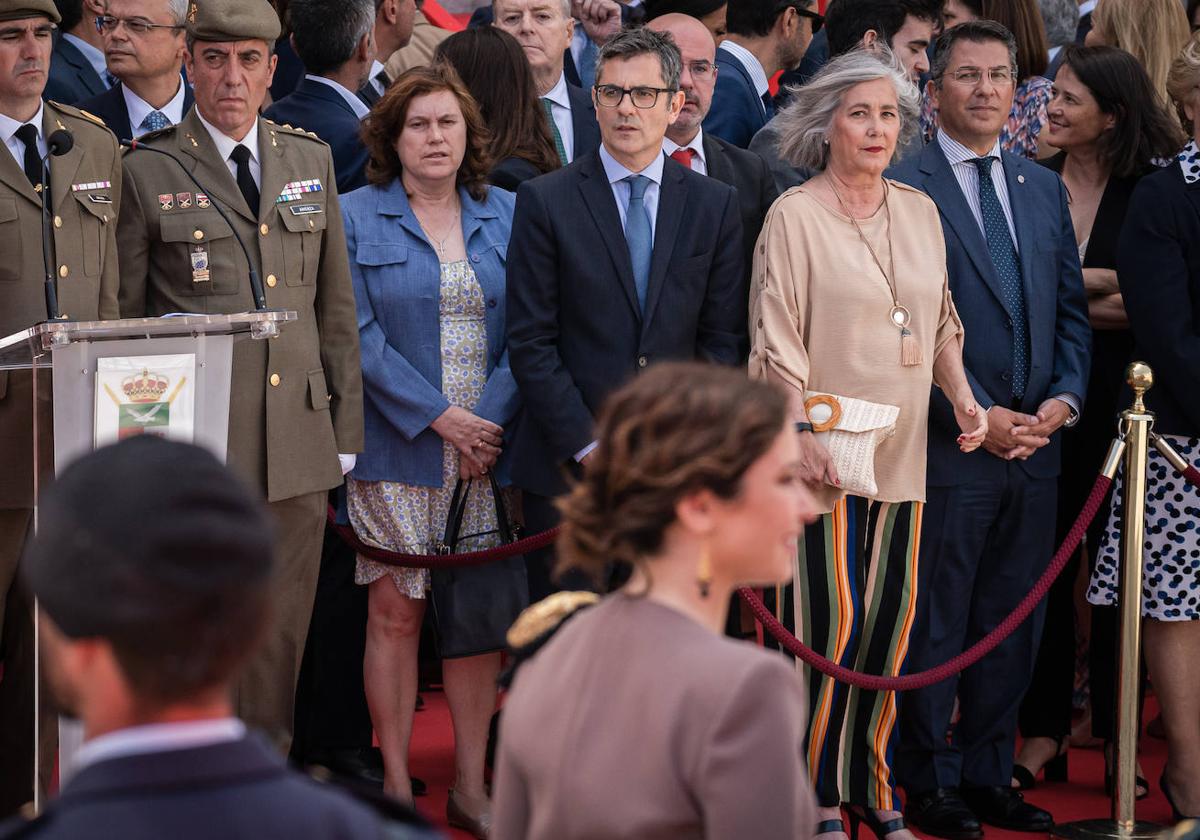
x=963 y=660
x=441 y=561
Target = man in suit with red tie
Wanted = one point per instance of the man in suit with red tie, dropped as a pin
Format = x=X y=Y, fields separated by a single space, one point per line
x=616 y=262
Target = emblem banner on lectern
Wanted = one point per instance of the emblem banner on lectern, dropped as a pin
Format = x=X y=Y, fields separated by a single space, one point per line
x=145 y=395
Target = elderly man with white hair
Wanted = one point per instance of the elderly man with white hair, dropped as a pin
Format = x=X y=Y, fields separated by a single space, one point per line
x=144 y=46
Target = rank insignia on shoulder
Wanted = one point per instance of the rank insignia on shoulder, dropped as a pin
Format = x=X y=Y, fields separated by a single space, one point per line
x=166 y=201
x=91 y=185
x=202 y=201
x=184 y=200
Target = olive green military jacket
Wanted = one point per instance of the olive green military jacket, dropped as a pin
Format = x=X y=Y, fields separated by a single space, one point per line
x=296 y=400
x=85 y=196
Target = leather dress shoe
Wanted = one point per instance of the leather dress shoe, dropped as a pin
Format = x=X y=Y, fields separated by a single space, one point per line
x=362 y=764
x=942 y=813
x=1004 y=807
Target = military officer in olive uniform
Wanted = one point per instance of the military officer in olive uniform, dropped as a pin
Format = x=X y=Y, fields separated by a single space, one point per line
x=295 y=416
x=85 y=193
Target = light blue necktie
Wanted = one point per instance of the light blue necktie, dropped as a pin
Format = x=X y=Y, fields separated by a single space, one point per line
x=154 y=121
x=1008 y=268
x=638 y=235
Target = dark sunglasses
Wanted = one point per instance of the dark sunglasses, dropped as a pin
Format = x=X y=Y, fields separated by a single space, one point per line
x=818 y=20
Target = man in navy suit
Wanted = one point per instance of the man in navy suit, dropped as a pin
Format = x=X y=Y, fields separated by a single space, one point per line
x=144 y=46
x=618 y=261
x=988 y=528
x=688 y=144
x=394 y=22
x=77 y=66
x=153 y=569
x=765 y=36
x=334 y=39
x=544 y=29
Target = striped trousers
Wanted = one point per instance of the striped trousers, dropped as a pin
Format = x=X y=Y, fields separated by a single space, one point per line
x=855 y=601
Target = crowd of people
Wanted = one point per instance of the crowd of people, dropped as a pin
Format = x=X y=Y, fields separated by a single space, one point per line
x=834 y=300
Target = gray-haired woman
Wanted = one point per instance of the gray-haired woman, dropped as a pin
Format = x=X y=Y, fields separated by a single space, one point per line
x=849 y=298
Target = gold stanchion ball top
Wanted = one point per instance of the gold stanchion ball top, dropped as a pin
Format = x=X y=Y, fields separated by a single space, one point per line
x=1140 y=377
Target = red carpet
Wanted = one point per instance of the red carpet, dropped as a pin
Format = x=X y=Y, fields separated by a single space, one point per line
x=1082 y=798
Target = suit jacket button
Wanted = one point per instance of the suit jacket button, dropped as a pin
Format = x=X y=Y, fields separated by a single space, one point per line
x=492 y=303
x=642 y=361
x=264 y=230
x=198 y=234
x=274 y=380
x=63 y=271
x=58 y=221
x=272 y=280
x=474 y=258
x=1006 y=376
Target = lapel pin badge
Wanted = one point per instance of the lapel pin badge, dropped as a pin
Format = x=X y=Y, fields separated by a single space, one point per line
x=1020 y=179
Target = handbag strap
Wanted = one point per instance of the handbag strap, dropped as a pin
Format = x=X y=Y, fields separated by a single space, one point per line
x=458 y=509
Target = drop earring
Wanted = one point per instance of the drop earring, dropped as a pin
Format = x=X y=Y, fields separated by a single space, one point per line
x=704 y=571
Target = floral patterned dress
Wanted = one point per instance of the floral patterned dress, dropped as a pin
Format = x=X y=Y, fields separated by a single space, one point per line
x=411 y=519
x=1025 y=121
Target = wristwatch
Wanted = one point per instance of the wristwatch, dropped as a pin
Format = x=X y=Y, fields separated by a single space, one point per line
x=803 y=426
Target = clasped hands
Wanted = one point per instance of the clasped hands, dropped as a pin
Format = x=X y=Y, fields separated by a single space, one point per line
x=478 y=441
x=1015 y=435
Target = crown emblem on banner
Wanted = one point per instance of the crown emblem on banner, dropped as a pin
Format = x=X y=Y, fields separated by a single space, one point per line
x=145 y=387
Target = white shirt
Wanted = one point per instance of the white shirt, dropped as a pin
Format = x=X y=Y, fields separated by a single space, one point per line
x=94 y=56
x=560 y=109
x=158 y=737
x=139 y=108
x=746 y=58
x=961 y=164
x=352 y=99
x=226 y=144
x=1053 y=54
x=376 y=68
x=1087 y=7
x=699 y=164
x=8 y=131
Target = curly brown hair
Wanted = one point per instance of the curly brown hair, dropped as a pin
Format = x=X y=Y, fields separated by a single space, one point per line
x=679 y=428
x=386 y=121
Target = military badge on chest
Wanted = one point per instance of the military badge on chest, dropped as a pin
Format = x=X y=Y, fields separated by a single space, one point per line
x=199 y=255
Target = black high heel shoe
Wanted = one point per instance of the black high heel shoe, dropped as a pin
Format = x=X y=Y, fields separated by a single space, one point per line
x=831 y=827
x=1176 y=814
x=1140 y=784
x=1054 y=770
x=878 y=827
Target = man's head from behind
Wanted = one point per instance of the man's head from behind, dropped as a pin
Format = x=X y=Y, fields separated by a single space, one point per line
x=787 y=23
x=330 y=34
x=637 y=95
x=152 y=566
x=698 y=77
x=144 y=38
x=904 y=26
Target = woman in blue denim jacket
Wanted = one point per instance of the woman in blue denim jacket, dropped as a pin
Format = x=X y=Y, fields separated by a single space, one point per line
x=427 y=244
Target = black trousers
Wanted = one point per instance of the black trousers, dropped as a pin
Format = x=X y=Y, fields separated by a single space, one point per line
x=331 y=703
x=983 y=546
x=542 y=515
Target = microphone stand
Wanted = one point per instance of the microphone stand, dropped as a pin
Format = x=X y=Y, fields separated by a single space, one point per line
x=51 y=284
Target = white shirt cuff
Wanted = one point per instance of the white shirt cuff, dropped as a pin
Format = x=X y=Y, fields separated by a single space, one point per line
x=586 y=451
x=347 y=462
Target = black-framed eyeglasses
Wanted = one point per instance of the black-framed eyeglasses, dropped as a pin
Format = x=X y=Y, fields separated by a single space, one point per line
x=107 y=24
x=818 y=20
x=610 y=96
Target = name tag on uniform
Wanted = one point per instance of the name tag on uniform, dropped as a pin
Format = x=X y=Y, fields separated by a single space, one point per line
x=199 y=264
x=96 y=198
x=306 y=209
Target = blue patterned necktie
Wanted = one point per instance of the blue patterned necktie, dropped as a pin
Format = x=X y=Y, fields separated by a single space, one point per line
x=1008 y=268
x=638 y=235
x=155 y=121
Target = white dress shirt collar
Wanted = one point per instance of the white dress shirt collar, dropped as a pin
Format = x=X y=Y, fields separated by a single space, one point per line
x=94 y=56
x=1087 y=7
x=696 y=145
x=352 y=99
x=158 y=737
x=8 y=130
x=139 y=108
x=226 y=144
x=956 y=152
x=746 y=58
x=558 y=93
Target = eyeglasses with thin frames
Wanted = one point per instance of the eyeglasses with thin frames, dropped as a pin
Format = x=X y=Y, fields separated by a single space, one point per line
x=107 y=24
x=972 y=76
x=610 y=96
x=702 y=70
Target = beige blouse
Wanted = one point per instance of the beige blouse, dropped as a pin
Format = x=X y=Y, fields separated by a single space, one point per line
x=819 y=316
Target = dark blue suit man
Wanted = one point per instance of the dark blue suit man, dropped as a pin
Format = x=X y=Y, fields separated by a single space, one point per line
x=988 y=526
x=72 y=77
x=319 y=108
x=587 y=309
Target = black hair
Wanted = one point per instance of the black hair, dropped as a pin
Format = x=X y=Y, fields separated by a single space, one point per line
x=71 y=12
x=326 y=32
x=849 y=20
x=756 y=18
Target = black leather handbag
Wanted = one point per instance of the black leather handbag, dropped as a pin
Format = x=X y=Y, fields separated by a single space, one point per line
x=473 y=606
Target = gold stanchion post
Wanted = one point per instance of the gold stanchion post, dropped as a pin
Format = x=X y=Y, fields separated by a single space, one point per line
x=1135 y=423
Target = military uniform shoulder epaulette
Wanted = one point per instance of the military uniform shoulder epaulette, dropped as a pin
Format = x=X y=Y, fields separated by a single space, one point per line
x=292 y=130
x=154 y=135
x=77 y=113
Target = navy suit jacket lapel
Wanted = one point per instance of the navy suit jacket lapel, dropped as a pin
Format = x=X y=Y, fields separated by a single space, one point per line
x=122 y=110
x=715 y=162
x=672 y=199
x=598 y=196
x=943 y=188
x=1026 y=233
x=732 y=62
x=323 y=92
